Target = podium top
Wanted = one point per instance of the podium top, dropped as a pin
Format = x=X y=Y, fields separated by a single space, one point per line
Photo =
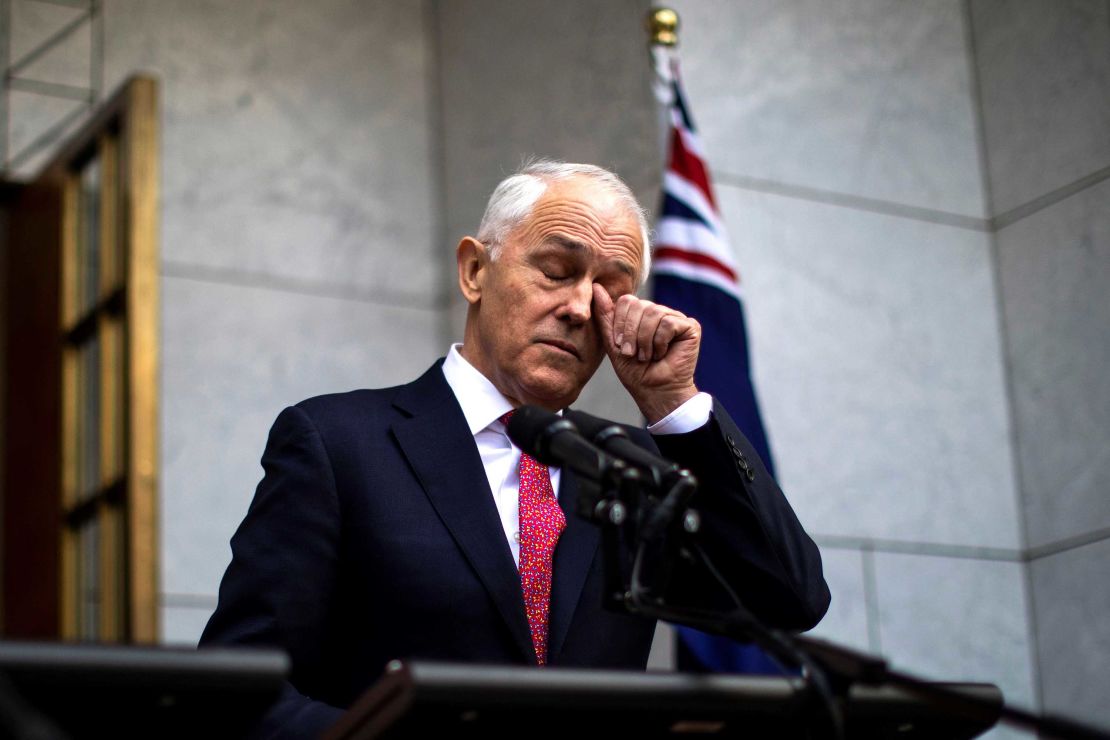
x=497 y=701
x=137 y=691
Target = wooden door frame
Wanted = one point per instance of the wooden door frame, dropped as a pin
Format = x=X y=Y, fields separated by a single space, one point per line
x=129 y=118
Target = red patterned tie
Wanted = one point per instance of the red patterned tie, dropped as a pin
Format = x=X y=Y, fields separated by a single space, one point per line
x=541 y=523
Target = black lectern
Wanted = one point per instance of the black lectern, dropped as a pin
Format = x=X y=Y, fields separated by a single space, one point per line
x=116 y=691
x=447 y=700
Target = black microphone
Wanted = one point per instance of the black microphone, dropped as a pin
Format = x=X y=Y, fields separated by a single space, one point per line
x=555 y=441
x=679 y=483
x=613 y=439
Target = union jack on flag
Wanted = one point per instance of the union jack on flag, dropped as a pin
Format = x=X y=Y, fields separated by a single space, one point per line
x=694 y=272
x=690 y=238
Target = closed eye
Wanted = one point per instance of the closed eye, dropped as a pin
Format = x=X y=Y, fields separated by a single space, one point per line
x=554 y=271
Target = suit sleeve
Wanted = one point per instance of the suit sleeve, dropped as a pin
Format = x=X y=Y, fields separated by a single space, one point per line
x=277 y=590
x=748 y=530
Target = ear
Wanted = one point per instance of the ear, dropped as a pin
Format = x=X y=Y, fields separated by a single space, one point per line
x=472 y=258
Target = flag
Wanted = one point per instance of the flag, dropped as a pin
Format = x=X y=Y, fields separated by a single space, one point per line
x=694 y=272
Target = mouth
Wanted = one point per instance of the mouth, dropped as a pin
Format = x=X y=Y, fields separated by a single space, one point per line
x=559 y=344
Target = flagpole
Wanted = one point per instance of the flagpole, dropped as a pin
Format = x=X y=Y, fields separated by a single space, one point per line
x=662 y=27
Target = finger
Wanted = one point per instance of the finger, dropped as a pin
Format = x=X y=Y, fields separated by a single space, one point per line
x=620 y=322
x=630 y=325
x=645 y=333
x=666 y=332
x=603 y=314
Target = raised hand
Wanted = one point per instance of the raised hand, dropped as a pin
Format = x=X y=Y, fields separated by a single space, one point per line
x=653 y=348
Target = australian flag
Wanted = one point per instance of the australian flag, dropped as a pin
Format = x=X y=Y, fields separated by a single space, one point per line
x=694 y=272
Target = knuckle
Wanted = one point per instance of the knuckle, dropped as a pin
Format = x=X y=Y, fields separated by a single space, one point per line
x=626 y=300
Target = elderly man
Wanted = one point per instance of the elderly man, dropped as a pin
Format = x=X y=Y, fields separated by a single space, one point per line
x=403 y=523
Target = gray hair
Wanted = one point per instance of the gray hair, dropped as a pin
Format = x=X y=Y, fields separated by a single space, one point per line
x=514 y=197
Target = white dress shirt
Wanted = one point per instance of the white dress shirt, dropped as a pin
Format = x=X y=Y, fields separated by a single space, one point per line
x=483 y=406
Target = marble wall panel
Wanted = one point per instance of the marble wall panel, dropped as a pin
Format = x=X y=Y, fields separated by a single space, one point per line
x=569 y=80
x=869 y=98
x=1071 y=596
x=876 y=355
x=957 y=619
x=1044 y=77
x=296 y=139
x=1054 y=269
x=30 y=115
x=233 y=357
x=33 y=23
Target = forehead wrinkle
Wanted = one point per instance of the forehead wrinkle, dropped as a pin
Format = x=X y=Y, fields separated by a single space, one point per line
x=593 y=211
x=566 y=242
x=577 y=247
x=575 y=224
x=590 y=229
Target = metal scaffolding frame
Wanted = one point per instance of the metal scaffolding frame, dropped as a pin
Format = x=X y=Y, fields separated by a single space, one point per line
x=93 y=19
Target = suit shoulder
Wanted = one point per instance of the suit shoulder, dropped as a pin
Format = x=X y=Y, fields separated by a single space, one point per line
x=327 y=409
x=361 y=397
x=372 y=403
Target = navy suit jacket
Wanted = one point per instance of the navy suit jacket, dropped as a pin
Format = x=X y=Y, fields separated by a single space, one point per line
x=373 y=535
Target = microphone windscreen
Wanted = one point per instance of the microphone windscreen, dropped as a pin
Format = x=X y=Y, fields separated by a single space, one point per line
x=592 y=426
x=528 y=429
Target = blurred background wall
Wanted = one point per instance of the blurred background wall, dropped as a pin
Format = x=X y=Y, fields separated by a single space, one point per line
x=916 y=192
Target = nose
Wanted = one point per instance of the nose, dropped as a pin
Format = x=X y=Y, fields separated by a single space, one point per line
x=575 y=307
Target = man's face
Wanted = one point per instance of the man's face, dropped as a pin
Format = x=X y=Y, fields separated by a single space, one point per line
x=534 y=334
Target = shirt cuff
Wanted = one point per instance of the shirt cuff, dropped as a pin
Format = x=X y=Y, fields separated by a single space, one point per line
x=686 y=418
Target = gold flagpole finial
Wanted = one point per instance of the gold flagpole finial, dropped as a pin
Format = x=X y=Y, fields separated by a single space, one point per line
x=662 y=24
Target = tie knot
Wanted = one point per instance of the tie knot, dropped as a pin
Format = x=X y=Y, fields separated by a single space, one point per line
x=504 y=418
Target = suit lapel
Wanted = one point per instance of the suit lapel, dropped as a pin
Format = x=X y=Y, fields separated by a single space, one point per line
x=573 y=556
x=438 y=445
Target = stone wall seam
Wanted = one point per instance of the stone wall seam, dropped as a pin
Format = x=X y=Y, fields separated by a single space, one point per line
x=904 y=547
x=312 y=288
x=851 y=201
x=1066 y=544
x=187 y=601
x=1049 y=199
x=438 y=160
x=962 y=552
x=1033 y=643
x=1010 y=407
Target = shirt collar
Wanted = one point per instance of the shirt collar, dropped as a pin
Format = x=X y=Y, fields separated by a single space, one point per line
x=482 y=404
